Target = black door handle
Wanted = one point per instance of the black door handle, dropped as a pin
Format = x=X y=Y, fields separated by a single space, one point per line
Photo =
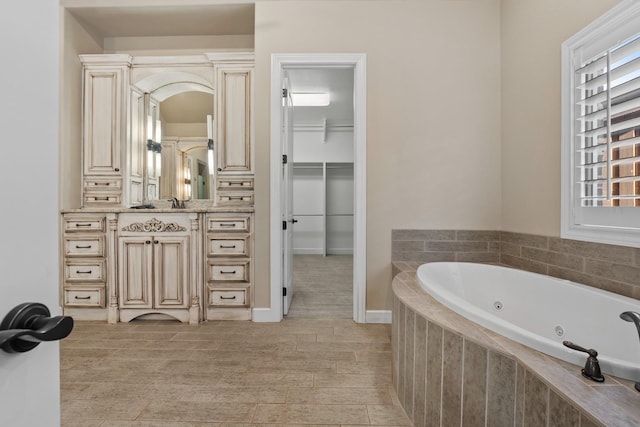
x=28 y=324
x=293 y=221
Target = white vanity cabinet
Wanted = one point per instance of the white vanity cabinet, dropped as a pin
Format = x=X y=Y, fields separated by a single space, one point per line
x=157 y=266
x=85 y=275
x=104 y=127
x=229 y=266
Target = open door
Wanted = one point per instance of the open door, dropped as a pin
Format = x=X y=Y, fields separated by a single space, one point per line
x=29 y=381
x=287 y=192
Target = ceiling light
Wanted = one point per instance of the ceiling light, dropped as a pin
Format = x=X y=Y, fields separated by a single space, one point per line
x=306 y=99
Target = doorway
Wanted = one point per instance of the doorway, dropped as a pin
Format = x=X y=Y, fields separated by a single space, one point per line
x=283 y=64
x=322 y=191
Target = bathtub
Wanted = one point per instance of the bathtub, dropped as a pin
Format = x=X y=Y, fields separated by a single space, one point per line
x=540 y=312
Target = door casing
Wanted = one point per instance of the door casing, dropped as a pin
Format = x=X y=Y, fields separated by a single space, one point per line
x=279 y=62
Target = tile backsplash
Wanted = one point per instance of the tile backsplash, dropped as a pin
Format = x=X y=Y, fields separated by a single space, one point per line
x=609 y=267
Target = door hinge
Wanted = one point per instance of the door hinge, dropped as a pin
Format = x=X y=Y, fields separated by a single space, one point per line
x=285 y=93
x=284 y=225
x=284 y=292
x=284 y=159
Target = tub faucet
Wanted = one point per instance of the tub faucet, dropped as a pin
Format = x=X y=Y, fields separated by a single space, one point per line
x=632 y=316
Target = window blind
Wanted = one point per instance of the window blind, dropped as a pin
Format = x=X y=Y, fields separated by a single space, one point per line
x=607 y=127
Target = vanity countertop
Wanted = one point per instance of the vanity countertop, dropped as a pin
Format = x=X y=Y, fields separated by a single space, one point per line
x=160 y=209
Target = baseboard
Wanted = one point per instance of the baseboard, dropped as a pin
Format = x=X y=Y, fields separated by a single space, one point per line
x=307 y=251
x=265 y=315
x=377 y=316
x=340 y=251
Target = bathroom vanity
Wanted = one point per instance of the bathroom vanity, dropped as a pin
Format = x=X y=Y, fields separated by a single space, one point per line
x=125 y=252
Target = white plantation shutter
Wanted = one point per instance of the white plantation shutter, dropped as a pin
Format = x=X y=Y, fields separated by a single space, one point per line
x=601 y=129
x=607 y=119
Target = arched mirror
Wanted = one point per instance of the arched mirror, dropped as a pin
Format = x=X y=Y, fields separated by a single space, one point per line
x=185 y=168
x=171 y=150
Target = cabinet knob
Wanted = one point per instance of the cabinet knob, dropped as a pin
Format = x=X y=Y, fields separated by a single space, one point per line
x=148 y=242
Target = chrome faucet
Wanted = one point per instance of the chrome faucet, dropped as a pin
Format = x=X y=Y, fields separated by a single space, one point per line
x=632 y=316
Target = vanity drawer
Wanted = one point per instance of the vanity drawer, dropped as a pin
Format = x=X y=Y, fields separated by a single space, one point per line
x=92 y=270
x=235 y=184
x=84 y=224
x=225 y=198
x=228 y=297
x=228 y=271
x=228 y=246
x=102 y=184
x=101 y=199
x=85 y=296
x=228 y=224
x=84 y=246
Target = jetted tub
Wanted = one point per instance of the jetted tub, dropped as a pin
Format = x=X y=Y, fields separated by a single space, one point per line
x=540 y=312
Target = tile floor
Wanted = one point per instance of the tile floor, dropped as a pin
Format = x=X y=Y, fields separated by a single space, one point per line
x=322 y=287
x=302 y=371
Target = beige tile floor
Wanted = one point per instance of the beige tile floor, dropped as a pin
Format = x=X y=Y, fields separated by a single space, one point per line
x=302 y=371
x=322 y=287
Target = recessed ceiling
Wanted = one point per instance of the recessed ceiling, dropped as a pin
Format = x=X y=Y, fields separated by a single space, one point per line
x=159 y=21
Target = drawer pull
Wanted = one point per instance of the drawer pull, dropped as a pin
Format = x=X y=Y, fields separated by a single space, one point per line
x=83 y=272
x=77 y=297
x=233 y=297
x=227 y=246
x=235 y=197
x=106 y=184
x=83 y=224
x=101 y=198
x=83 y=247
x=236 y=184
x=227 y=272
x=222 y=224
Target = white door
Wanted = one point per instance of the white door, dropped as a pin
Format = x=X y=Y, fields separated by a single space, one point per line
x=29 y=271
x=287 y=193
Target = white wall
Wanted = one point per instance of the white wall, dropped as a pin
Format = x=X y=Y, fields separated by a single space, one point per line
x=29 y=41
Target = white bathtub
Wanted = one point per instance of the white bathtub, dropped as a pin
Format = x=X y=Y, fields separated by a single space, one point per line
x=540 y=312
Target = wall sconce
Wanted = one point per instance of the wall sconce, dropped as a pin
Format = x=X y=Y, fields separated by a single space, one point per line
x=154 y=149
x=210 y=159
x=187 y=181
x=157 y=149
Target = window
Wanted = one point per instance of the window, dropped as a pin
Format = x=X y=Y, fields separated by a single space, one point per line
x=601 y=129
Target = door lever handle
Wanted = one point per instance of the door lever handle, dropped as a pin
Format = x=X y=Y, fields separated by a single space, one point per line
x=28 y=324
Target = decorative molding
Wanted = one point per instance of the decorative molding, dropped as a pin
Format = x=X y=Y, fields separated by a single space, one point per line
x=154 y=225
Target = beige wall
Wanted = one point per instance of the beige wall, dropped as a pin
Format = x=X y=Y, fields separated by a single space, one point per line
x=75 y=40
x=433 y=114
x=532 y=32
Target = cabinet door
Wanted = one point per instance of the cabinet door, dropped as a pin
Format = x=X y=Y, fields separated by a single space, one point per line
x=234 y=119
x=102 y=121
x=171 y=271
x=136 y=272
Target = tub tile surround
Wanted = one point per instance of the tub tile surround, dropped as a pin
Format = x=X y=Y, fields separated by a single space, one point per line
x=609 y=267
x=474 y=376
